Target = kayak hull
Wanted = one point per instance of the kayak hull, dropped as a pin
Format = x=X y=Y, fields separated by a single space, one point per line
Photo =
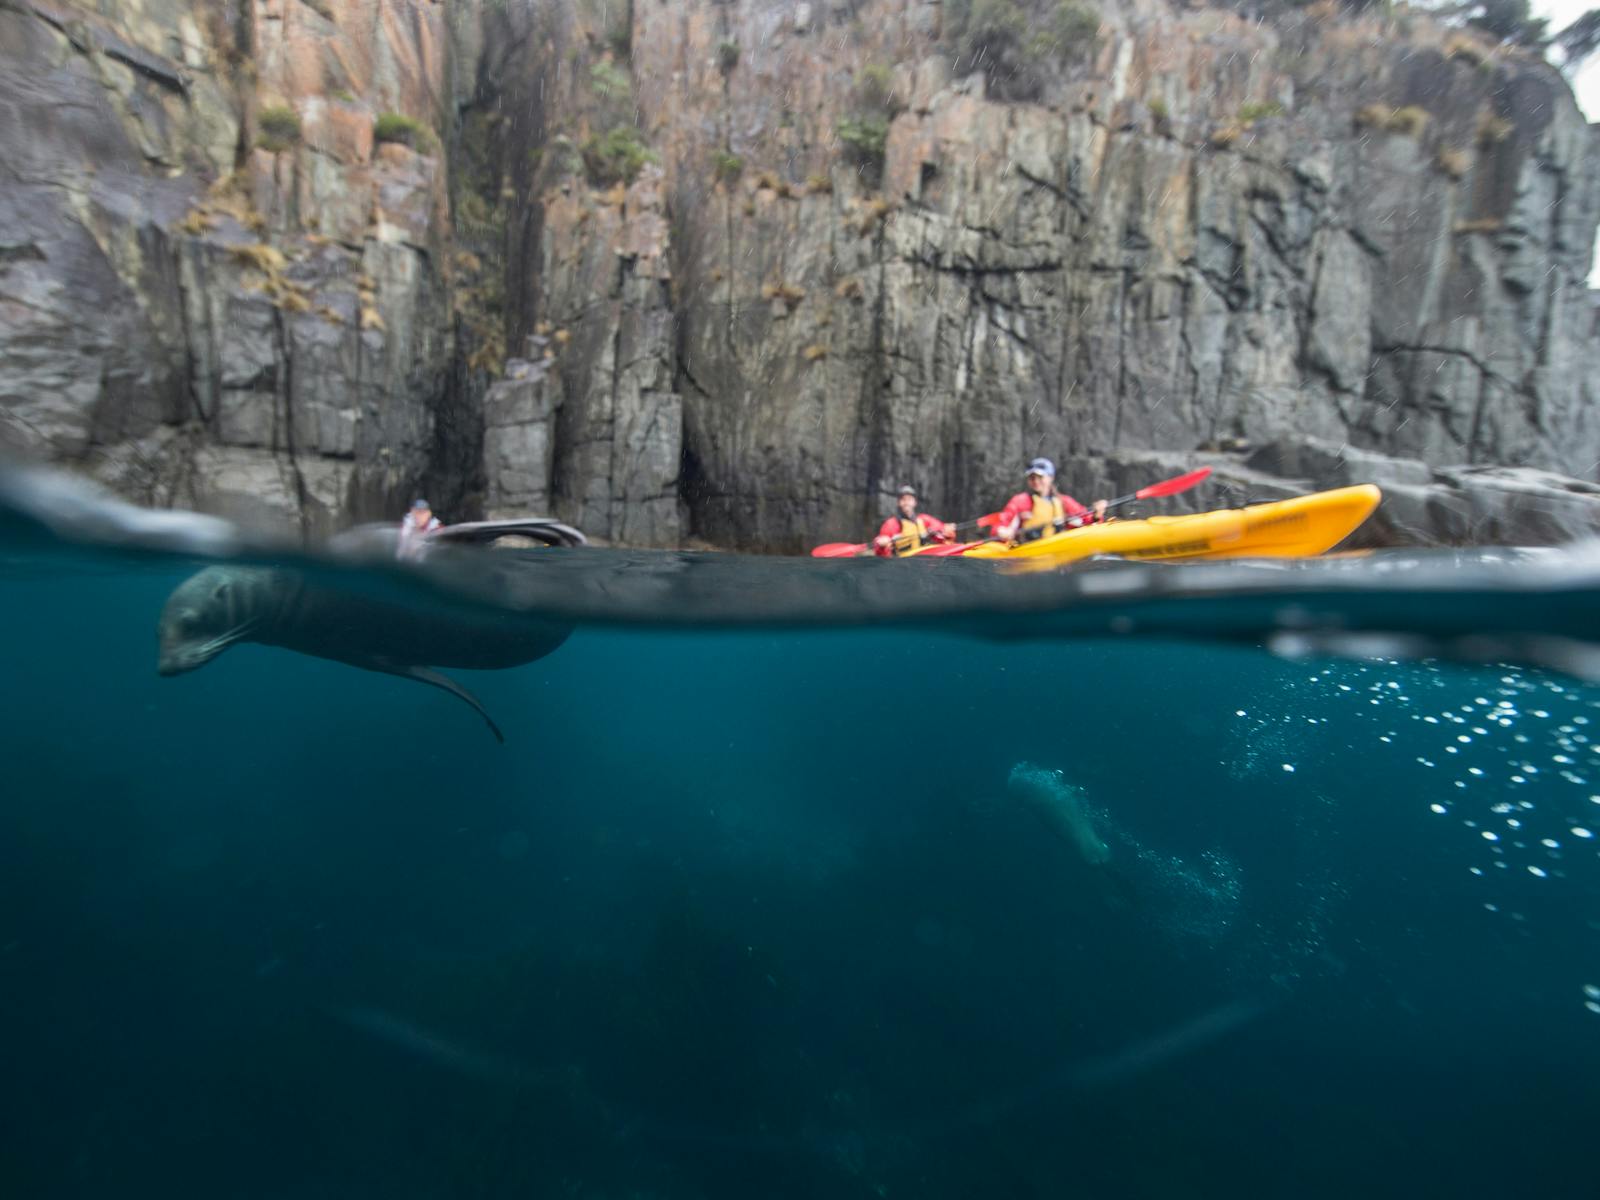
x=1300 y=527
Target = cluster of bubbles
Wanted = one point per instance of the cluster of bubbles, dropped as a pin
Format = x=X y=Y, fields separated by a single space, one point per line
x=1518 y=761
x=1200 y=898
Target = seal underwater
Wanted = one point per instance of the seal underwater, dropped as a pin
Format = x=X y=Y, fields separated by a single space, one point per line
x=221 y=606
x=1060 y=805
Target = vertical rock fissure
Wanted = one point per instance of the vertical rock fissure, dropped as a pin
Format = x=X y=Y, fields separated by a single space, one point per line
x=285 y=356
x=616 y=502
x=1122 y=357
x=1478 y=408
x=879 y=428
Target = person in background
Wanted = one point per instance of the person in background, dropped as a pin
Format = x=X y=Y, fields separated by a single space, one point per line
x=908 y=530
x=1041 y=510
x=415 y=526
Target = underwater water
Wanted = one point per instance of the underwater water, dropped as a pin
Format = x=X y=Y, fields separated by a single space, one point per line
x=757 y=911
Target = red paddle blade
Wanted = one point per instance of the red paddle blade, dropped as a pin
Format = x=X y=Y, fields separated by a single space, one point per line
x=839 y=550
x=1168 y=486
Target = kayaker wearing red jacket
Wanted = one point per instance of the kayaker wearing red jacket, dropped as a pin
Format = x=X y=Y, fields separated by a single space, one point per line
x=1041 y=509
x=910 y=527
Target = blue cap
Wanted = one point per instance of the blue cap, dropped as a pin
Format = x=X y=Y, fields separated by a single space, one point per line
x=420 y=503
x=1042 y=466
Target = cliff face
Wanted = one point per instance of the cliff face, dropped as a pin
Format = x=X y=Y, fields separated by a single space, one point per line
x=201 y=320
x=1176 y=231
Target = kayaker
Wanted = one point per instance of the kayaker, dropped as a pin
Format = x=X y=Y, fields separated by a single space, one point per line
x=415 y=527
x=1042 y=510
x=906 y=532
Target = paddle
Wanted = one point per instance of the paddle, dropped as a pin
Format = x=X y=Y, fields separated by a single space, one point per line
x=839 y=550
x=861 y=549
x=1167 y=487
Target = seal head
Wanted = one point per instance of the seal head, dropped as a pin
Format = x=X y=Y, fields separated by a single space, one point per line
x=203 y=617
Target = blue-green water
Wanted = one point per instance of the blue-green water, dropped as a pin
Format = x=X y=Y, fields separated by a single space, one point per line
x=751 y=912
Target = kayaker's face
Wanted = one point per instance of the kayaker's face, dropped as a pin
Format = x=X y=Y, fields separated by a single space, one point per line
x=908 y=506
x=1039 y=485
x=421 y=516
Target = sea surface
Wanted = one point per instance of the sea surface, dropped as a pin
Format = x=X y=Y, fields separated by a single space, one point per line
x=744 y=907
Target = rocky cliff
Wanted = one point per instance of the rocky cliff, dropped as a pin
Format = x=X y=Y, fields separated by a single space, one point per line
x=733 y=270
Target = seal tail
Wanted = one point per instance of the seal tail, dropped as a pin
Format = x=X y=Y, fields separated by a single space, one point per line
x=444 y=683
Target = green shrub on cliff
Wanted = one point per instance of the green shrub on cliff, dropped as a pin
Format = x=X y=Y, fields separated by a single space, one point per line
x=1256 y=110
x=610 y=82
x=402 y=130
x=875 y=89
x=1072 y=31
x=1016 y=43
x=864 y=139
x=1409 y=121
x=615 y=156
x=727 y=167
x=277 y=128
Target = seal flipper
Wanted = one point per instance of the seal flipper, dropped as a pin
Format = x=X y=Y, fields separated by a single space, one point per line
x=445 y=683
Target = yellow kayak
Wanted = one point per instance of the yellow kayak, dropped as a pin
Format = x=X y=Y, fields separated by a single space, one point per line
x=1296 y=528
